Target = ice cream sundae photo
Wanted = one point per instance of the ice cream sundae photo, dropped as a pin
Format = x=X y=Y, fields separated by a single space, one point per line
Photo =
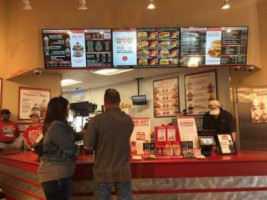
x=78 y=50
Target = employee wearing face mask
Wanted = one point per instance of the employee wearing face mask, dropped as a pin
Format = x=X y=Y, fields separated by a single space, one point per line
x=219 y=119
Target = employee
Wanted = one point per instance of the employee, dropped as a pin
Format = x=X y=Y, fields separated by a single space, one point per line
x=219 y=119
x=8 y=130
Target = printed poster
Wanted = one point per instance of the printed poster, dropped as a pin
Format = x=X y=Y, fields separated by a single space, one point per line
x=258 y=103
x=188 y=130
x=166 y=97
x=200 y=88
x=33 y=100
x=124 y=47
x=140 y=135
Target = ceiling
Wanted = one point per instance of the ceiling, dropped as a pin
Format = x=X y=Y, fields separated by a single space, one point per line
x=92 y=80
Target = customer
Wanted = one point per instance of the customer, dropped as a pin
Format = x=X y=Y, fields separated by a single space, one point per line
x=109 y=134
x=59 y=151
x=33 y=132
x=8 y=130
x=219 y=119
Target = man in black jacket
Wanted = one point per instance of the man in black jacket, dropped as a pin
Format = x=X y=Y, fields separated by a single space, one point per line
x=219 y=119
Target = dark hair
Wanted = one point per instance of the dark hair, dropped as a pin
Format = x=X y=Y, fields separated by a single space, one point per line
x=112 y=96
x=56 y=110
x=5 y=111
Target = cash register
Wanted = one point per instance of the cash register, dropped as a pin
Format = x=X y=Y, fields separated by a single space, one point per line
x=207 y=141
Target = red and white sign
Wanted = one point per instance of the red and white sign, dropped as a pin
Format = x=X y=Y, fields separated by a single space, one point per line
x=141 y=134
x=188 y=130
x=124 y=47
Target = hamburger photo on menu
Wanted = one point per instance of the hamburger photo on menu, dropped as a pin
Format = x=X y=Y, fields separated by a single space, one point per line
x=215 y=49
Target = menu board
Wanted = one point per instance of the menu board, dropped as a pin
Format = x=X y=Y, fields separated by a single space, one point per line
x=98 y=47
x=213 y=46
x=166 y=97
x=77 y=48
x=200 y=88
x=234 y=45
x=158 y=47
x=124 y=47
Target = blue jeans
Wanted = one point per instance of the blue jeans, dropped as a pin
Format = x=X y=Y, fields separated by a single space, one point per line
x=123 y=190
x=57 y=189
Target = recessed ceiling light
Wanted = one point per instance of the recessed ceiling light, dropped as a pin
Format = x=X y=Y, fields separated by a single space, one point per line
x=68 y=82
x=110 y=72
x=151 y=5
x=226 y=5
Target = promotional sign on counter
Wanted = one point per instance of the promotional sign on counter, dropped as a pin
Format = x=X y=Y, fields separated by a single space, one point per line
x=166 y=97
x=124 y=47
x=141 y=134
x=200 y=88
x=188 y=130
x=32 y=100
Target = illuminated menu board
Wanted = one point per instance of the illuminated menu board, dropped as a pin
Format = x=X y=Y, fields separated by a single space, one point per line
x=158 y=47
x=77 y=48
x=213 y=46
x=124 y=47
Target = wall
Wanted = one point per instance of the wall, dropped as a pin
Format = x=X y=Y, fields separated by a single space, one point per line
x=3 y=36
x=25 y=44
x=21 y=30
x=11 y=89
x=257 y=78
x=146 y=87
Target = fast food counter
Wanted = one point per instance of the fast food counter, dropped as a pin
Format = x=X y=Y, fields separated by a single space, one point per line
x=241 y=176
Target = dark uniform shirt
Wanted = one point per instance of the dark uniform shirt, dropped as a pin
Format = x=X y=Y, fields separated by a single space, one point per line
x=225 y=122
x=109 y=133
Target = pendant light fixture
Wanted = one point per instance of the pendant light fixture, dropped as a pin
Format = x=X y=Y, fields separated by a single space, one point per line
x=226 y=4
x=151 y=5
x=83 y=5
x=27 y=5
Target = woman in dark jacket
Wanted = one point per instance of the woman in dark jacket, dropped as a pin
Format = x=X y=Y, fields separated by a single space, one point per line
x=59 y=151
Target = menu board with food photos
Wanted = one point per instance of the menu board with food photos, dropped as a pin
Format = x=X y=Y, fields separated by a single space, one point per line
x=77 y=48
x=166 y=97
x=200 y=88
x=98 y=47
x=158 y=47
x=213 y=46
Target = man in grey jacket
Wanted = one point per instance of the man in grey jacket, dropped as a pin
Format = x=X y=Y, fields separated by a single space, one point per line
x=109 y=134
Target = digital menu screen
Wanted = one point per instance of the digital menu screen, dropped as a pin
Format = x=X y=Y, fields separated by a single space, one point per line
x=124 y=47
x=77 y=48
x=213 y=46
x=158 y=47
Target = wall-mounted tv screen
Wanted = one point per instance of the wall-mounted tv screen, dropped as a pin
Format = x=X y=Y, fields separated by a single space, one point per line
x=77 y=48
x=158 y=47
x=139 y=100
x=204 y=46
x=124 y=47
